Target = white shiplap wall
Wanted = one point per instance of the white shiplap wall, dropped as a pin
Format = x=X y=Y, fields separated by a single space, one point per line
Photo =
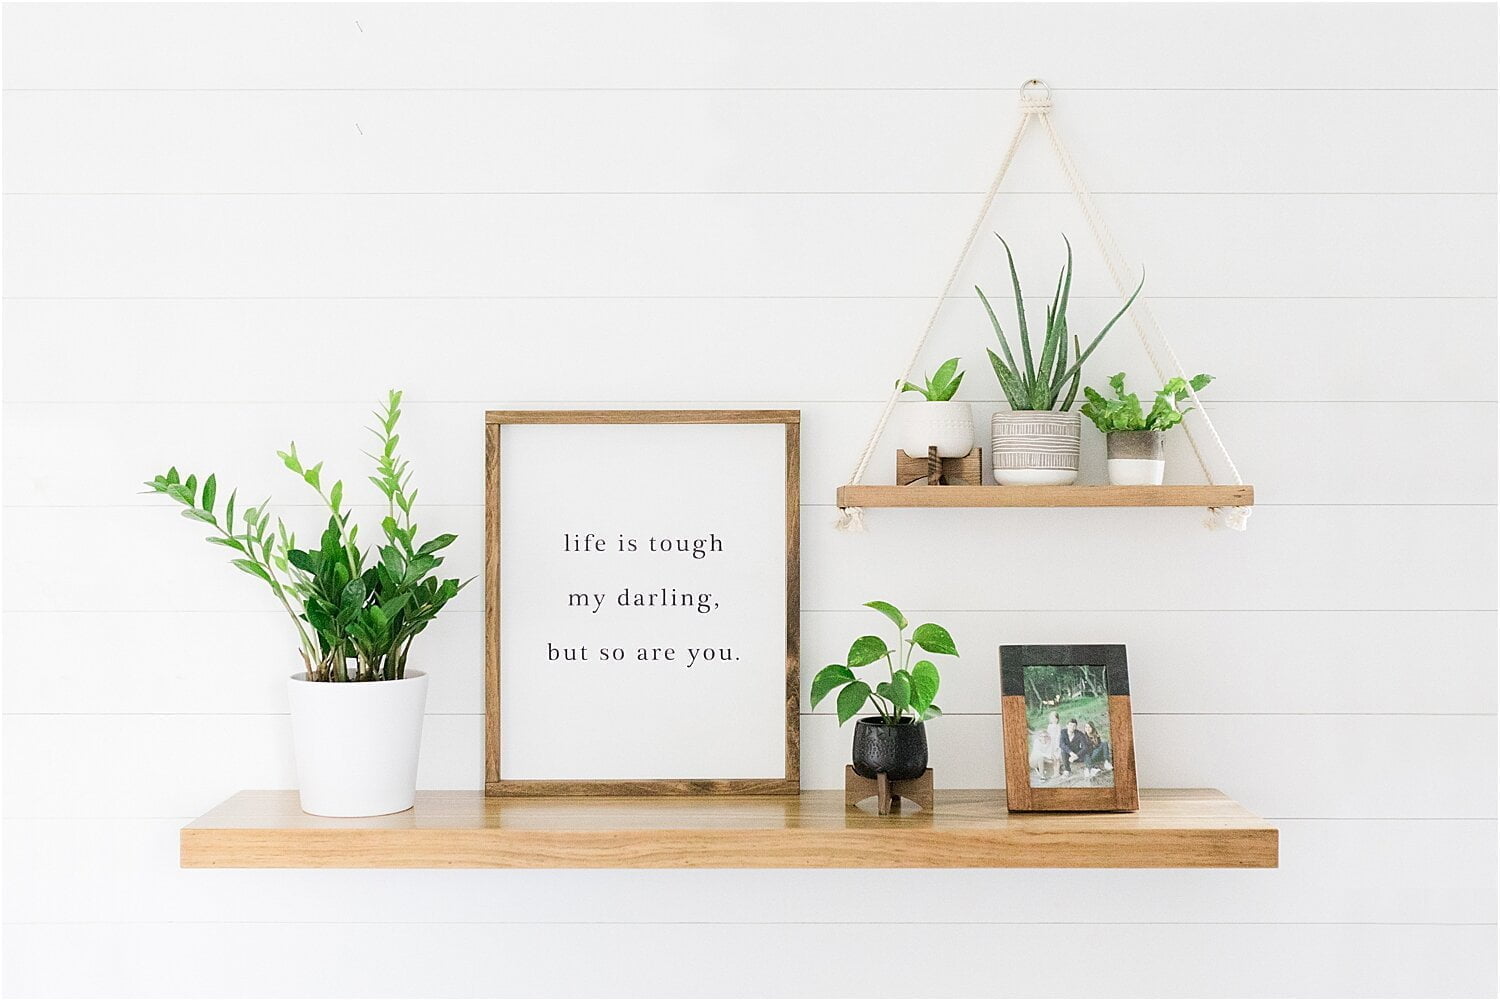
x=228 y=226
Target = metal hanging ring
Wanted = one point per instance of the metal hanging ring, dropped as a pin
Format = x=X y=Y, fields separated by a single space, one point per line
x=1034 y=82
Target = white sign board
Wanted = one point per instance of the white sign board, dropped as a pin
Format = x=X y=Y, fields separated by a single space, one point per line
x=642 y=602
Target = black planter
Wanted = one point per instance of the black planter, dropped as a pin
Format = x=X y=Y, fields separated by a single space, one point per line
x=898 y=749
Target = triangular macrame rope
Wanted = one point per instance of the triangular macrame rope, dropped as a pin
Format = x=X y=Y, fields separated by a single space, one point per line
x=1035 y=104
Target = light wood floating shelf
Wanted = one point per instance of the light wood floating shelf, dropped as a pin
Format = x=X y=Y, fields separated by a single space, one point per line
x=1084 y=496
x=1175 y=828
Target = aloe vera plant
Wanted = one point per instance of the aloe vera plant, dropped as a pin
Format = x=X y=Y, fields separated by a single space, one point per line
x=1038 y=384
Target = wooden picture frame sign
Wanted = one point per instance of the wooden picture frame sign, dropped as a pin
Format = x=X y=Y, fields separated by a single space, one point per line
x=642 y=602
x=1055 y=760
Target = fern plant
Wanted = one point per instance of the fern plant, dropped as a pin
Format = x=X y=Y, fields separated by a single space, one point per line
x=1124 y=412
x=1037 y=384
x=355 y=616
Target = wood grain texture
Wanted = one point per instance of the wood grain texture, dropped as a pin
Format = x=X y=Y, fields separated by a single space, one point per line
x=853 y=495
x=789 y=782
x=1175 y=828
x=1022 y=796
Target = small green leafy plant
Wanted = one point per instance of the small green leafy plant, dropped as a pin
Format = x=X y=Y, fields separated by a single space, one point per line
x=1037 y=384
x=940 y=386
x=908 y=693
x=355 y=615
x=1124 y=412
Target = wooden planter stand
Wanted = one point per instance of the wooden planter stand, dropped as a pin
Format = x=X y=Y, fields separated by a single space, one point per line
x=888 y=794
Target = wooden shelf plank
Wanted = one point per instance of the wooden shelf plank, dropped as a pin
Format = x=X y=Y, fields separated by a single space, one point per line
x=1175 y=828
x=1073 y=496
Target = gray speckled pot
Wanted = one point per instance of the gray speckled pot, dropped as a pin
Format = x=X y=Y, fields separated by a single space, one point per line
x=1135 y=458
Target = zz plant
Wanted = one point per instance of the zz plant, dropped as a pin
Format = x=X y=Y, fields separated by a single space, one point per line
x=1037 y=384
x=1124 y=412
x=907 y=695
x=356 y=613
x=940 y=386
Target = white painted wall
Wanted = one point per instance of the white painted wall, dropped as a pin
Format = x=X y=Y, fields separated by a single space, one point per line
x=228 y=226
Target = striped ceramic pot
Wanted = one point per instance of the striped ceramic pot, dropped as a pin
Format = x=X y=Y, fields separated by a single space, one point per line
x=1034 y=448
x=1136 y=458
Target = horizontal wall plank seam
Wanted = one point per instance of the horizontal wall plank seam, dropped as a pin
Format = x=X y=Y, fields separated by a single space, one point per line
x=733 y=90
x=991 y=715
x=704 y=298
x=821 y=611
x=758 y=192
x=777 y=924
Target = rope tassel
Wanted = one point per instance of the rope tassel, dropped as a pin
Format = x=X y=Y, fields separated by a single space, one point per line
x=850 y=520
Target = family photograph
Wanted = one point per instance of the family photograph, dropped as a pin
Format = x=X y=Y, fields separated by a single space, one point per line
x=1067 y=723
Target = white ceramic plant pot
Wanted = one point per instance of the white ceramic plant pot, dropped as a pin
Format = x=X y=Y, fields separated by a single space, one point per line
x=356 y=744
x=1135 y=458
x=1034 y=448
x=948 y=424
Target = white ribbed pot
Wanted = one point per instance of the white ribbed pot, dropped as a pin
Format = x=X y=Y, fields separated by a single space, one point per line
x=356 y=744
x=948 y=424
x=1034 y=448
x=1135 y=458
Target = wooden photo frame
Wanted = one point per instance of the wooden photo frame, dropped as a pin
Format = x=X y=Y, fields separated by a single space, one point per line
x=1069 y=743
x=642 y=602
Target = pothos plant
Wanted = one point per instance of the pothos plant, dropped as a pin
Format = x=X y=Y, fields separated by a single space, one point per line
x=356 y=613
x=907 y=695
x=940 y=386
x=1124 y=412
x=1037 y=384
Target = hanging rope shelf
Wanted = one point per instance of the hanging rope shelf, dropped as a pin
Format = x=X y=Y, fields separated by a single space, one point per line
x=1228 y=504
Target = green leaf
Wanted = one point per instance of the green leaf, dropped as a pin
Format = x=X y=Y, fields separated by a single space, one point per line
x=908 y=387
x=1010 y=383
x=219 y=540
x=312 y=476
x=1010 y=360
x=305 y=561
x=851 y=700
x=897 y=691
x=866 y=650
x=290 y=460
x=336 y=495
x=1200 y=381
x=943 y=375
x=210 y=491
x=253 y=569
x=890 y=611
x=924 y=684
x=434 y=544
x=934 y=639
x=828 y=679
x=1084 y=354
x=1015 y=282
x=353 y=594
x=198 y=514
x=229 y=511
x=948 y=391
x=931 y=712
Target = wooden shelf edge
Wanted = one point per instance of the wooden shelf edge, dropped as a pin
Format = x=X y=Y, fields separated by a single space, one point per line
x=968 y=829
x=1071 y=496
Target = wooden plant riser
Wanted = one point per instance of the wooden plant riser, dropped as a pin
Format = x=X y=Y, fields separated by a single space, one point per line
x=888 y=794
x=929 y=470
